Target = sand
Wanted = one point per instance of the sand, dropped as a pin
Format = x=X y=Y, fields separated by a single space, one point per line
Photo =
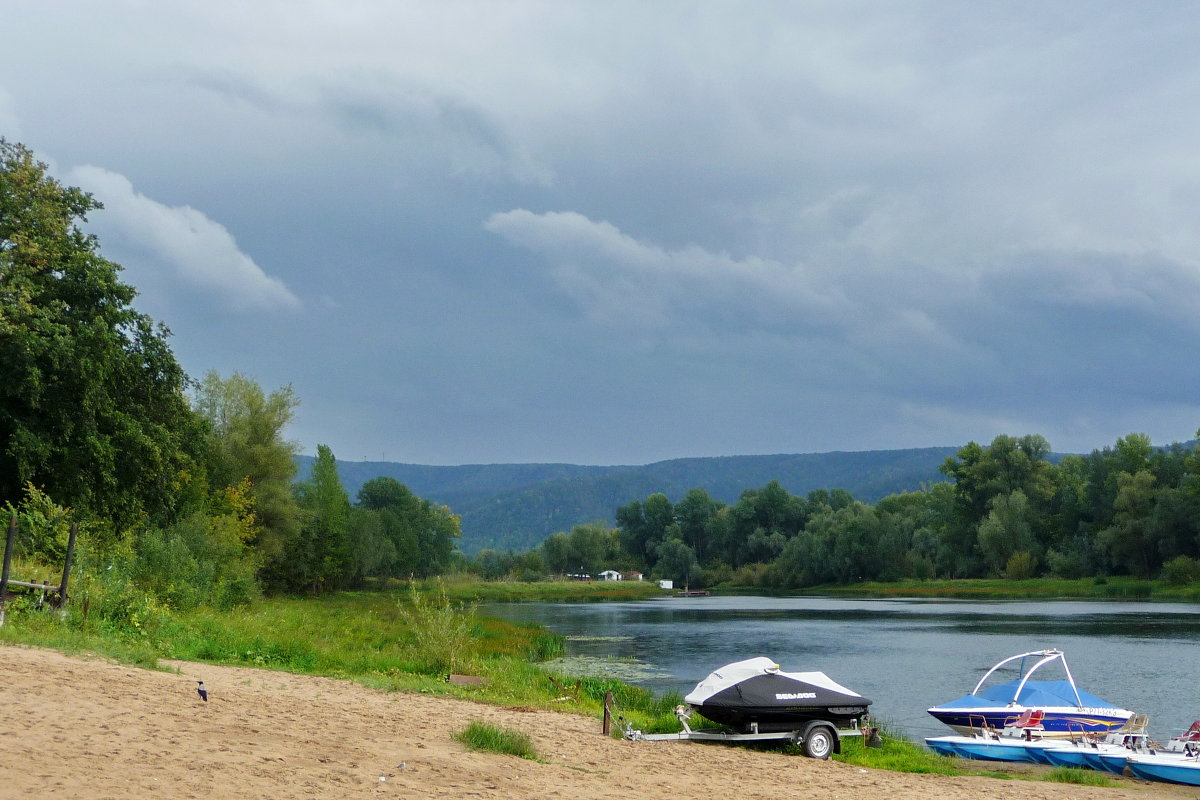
x=89 y=728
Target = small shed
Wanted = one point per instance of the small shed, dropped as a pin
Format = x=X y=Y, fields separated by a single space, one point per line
x=634 y=575
x=610 y=575
x=665 y=584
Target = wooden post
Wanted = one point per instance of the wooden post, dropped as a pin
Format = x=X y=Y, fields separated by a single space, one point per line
x=608 y=698
x=8 y=546
x=62 y=588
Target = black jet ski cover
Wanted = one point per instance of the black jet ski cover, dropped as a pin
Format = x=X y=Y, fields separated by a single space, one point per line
x=756 y=690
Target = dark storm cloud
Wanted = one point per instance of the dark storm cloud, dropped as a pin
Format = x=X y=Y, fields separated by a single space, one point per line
x=526 y=231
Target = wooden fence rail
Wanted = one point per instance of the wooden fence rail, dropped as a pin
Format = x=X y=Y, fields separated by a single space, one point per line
x=45 y=587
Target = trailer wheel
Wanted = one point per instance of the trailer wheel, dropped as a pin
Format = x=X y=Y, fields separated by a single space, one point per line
x=819 y=742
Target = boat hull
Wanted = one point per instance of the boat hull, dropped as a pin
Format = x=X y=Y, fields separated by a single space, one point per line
x=1112 y=762
x=942 y=747
x=1061 y=720
x=1063 y=757
x=1164 y=767
x=990 y=749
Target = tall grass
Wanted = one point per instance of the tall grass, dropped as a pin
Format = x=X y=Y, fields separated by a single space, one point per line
x=487 y=738
x=897 y=754
x=440 y=629
x=1081 y=777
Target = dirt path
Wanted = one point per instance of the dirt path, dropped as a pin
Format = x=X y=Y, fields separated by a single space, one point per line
x=88 y=728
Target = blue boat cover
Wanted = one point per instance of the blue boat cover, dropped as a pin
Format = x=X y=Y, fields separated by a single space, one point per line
x=1036 y=694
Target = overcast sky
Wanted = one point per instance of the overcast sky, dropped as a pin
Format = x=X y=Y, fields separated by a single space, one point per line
x=615 y=233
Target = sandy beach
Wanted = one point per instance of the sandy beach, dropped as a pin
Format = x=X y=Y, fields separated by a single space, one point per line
x=89 y=728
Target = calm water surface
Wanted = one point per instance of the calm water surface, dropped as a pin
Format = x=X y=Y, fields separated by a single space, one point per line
x=906 y=655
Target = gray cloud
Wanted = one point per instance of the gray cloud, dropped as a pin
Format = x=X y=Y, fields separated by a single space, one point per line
x=770 y=227
x=201 y=252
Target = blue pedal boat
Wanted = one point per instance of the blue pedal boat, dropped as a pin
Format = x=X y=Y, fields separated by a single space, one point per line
x=1178 y=761
x=1169 y=767
x=1019 y=741
x=1102 y=752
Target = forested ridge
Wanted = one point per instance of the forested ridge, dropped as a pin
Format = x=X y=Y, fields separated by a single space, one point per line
x=516 y=506
x=1007 y=510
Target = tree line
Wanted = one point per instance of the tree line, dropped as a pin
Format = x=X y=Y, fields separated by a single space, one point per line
x=184 y=489
x=1007 y=509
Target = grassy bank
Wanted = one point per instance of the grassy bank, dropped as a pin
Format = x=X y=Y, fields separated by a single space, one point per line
x=1118 y=588
x=471 y=590
x=409 y=639
x=395 y=640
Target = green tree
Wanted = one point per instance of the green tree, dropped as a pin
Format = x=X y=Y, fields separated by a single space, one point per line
x=694 y=514
x=557 y=554
x=246 y=443
x=980 y=474
x=324 y=541
x=397 y=510
x=92 y=402
x=677 y=561
x=422 y=533
x=1006 y=530
x=1130 y=540
x=493 y=564
x=592 y=544
x=371 y=549
x=643 y=525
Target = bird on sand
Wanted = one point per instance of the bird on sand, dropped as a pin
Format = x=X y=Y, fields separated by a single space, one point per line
x=200 y=690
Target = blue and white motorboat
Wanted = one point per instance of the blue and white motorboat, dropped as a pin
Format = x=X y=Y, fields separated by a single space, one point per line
x=1067 y=708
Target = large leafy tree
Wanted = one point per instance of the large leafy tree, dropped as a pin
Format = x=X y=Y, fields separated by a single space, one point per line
x=92 y=400
x=246 y=444
x=694 y=514
x=643 y=525
x=422 y=533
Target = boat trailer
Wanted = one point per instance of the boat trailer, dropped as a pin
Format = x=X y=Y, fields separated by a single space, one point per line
x=817 y=738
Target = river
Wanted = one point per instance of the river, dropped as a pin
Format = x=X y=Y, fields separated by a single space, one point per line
x=904 y=654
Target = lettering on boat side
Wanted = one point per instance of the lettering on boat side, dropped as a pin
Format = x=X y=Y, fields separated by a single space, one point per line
x=796 y=696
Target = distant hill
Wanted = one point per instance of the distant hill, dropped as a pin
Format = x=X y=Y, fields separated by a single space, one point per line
x=516 y=506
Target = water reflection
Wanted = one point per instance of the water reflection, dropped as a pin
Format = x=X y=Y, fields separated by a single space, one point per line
x=906 y=654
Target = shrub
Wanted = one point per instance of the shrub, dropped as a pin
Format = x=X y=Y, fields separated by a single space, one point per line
x=201 y=560
x=1073 y=563
x=43 y=526
x=1021 y=565
x=1181 y=571
x=442 y=631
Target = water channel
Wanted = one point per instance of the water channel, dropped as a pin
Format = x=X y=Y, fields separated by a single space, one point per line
x=906 y=655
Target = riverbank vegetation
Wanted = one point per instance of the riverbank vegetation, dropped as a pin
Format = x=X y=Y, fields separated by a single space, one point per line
x=1121 y=522
x=408 y=639
x=1103 y=588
